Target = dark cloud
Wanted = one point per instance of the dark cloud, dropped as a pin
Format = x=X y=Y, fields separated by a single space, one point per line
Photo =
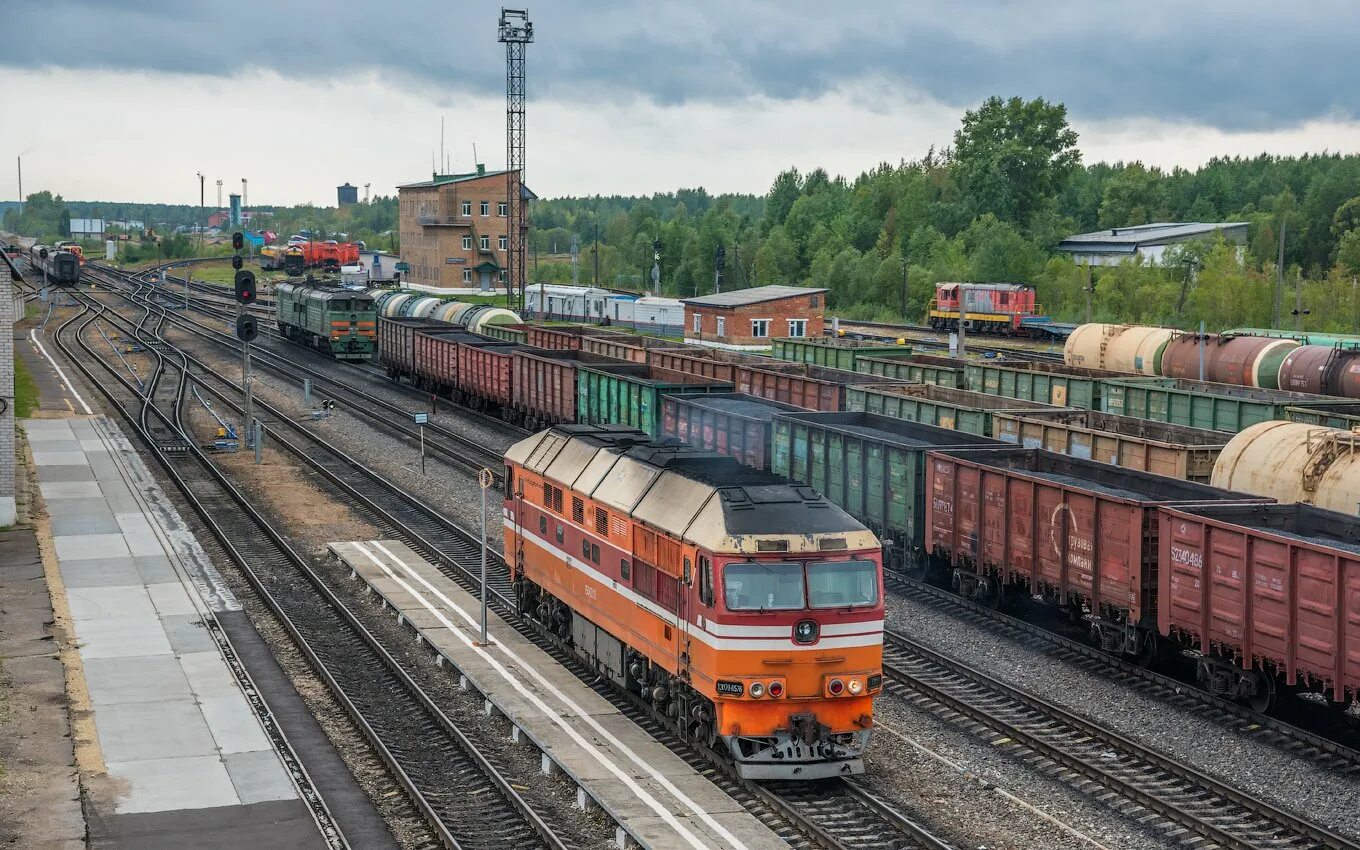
x=1238 y=65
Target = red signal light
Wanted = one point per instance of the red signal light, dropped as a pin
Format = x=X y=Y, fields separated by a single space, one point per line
x=776 y=689
x=836 y=687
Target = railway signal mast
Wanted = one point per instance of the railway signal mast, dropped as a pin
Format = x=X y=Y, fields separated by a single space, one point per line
x=516 y=31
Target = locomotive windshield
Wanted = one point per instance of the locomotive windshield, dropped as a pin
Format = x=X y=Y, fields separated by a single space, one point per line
x=763 y=586
x=840 y=584
x=781 y=586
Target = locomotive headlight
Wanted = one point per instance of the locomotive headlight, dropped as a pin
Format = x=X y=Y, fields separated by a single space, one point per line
x=805 y=631
x=757 y=690
x=856 y=687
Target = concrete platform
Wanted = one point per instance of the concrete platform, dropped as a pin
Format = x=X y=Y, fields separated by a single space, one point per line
x=655 y=797
x=185 y=756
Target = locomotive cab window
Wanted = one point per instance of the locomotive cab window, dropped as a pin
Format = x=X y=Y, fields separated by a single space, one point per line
x=763 y=586
x=706 y=581
x=842 y=584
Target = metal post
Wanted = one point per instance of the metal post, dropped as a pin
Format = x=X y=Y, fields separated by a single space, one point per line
x=906 y=274
x=1090 y=290
x=246 y=382
x=307 y=392
x=963 y=296
x=484 y=566
x=258 y=435
x=422 y=449
x=1201 y=349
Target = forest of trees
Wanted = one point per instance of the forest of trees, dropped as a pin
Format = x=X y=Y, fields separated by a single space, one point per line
x=990 y=207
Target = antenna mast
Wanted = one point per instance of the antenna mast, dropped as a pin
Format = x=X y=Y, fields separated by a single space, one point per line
x=516 y=32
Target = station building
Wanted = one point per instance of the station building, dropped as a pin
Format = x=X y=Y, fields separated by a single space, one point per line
x=455 y=230
x=750 y=318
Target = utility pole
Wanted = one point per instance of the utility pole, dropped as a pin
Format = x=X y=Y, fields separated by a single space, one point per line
x=202 y=222
x=21 y=185
x=1090 y=292
x=906 y=273
x=1279 y=273
x=516 y=32
x=219 y=195
x=595 y=251
x=719 y=262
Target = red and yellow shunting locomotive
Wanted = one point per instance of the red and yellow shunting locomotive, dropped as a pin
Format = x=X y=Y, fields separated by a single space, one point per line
x=747 y=608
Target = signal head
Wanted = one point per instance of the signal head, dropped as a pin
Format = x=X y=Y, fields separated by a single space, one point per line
x=245 y=287
x=238 y=240
x=236 y=262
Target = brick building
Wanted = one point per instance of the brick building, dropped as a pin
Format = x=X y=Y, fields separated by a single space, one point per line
x=455 y=229
x=750 y=318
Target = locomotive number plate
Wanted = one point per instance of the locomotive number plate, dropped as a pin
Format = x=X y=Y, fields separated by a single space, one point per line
x=731 y=689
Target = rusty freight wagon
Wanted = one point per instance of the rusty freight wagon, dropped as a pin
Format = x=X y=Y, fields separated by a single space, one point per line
x=486 y=374
x=397 y=343
x=561 y=336
x=435 y=363
x=946 y=407
x=1159 y=447
x=544 y=386
x=915 y=368
x=714 y=364
x=798 y=384
x=1268 y=594
x=736 y=425
x=872 y=466
x=631 y=393
x=630 y=348
x=1079 y=534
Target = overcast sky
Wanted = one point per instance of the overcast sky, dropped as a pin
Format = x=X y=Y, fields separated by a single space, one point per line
x=128 y=99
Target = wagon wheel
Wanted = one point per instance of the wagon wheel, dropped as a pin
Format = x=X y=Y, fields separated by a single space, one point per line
x=914 y=563
x=1262 y=699
x=990 y=593
x=1149 y=648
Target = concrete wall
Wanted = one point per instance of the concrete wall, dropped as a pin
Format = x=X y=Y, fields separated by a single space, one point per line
x=7 y=319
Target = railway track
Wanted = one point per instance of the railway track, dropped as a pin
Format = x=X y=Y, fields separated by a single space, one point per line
x=834 y=814
x=937 y=341
x=424 y=750
x=450 y=445
x=1216 y=814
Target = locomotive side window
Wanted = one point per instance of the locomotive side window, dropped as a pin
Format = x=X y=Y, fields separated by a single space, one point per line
x=543 y=526
x=753 y=586
x=559 y=535
x=509 y=480
x=625 y=569
x=706 y=581
x=840 y=584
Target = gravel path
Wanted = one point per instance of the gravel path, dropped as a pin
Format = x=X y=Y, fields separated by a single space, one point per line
x=1290 y=782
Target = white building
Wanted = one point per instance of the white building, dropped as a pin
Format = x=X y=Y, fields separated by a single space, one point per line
x=87 y=228
x=1148 y=241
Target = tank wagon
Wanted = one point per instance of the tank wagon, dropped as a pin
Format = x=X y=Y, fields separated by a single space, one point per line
x=335 y=321
x=1118 y=348
x=1247 y=361
x=1294 y=462
x=748 y=609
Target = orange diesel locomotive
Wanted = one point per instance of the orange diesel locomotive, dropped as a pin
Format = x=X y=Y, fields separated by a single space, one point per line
x=746 y=607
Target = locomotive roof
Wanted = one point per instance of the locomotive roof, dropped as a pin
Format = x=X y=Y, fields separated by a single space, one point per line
x=693 y=494
x=326 y=290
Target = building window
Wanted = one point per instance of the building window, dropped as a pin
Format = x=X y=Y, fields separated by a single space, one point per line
x=760 y=328
x=486 y=208
x=797 y=327
x=816 y=301
x=467 y=243
x=467 y=275
x=698 y=323
x=486 y=242
x=467 y=207
x=503 y=242
x=722 y=327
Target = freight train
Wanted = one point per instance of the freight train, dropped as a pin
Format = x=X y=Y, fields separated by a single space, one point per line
x=1002 y=522
x=747 y=609
x=1319 y=364
x=295 y=258
x=58 y=267
x=335 y=321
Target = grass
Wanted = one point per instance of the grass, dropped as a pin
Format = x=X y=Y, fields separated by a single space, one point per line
x=25 y=390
